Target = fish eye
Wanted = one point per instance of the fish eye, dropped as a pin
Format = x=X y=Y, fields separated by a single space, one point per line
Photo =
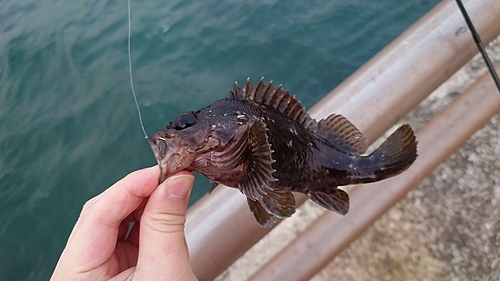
x=184 y=120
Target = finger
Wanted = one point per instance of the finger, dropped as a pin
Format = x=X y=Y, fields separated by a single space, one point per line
x=162 y=250
x=94 y=236
x=127 y=274
x=121 y=199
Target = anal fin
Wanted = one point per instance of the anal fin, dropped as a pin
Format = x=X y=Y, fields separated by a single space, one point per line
x=335 y=200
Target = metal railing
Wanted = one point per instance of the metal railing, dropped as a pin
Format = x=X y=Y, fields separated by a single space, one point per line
x=220 y=228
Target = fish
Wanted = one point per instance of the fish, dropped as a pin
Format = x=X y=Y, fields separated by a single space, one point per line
x=262 y=141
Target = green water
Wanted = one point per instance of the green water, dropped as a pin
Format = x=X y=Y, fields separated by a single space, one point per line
x=68 y=125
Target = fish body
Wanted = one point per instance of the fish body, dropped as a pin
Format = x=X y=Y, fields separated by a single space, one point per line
x=262 y=141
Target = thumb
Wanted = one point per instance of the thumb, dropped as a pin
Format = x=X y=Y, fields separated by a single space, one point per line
x=163 y=253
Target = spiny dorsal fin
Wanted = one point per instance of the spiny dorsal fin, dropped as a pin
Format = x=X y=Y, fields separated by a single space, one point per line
x=339 y=131
x=275 y=98
x=336 y=129
x=256 y=183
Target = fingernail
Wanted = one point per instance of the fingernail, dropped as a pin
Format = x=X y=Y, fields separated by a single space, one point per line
x=179 y=186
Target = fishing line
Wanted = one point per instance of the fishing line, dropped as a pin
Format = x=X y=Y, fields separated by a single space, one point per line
x=479 y=44
x=130 y=72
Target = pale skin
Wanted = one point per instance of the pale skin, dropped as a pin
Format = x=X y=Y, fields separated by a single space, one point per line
x=155 y=249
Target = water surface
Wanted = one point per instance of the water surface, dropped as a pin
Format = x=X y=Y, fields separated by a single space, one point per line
x=68 y=124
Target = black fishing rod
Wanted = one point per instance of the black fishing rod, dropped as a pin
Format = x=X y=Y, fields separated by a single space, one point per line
x=479 y=44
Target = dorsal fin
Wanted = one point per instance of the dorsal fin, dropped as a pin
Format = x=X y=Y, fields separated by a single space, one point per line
x=335 y=129
x=340 y=132
x=275 y=98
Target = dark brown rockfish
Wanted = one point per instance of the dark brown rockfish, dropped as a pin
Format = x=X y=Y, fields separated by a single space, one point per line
x=262 y=141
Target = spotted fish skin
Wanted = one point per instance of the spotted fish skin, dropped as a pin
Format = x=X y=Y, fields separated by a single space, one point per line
x=262 y=141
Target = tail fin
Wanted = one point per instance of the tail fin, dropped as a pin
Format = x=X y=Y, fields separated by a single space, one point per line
x=395 y=154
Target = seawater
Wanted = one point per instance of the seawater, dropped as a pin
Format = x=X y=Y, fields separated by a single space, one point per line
x=69 y=127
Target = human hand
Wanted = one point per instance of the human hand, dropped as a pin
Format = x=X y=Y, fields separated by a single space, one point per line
x=155 y=249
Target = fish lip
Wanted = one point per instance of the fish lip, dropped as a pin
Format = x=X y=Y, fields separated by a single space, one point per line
x=171 y=157
x=158 y=155
x=154 y=146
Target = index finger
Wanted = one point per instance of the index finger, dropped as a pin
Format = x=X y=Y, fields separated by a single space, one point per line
x=95 y=233
x=117 y=202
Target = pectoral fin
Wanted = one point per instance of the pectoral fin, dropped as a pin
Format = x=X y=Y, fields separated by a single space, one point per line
x=335 y=200
x=256 y=183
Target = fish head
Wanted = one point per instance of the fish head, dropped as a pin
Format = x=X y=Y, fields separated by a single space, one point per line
x=186 y=142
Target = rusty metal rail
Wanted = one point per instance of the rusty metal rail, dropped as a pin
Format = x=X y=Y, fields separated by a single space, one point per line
x=220 y=227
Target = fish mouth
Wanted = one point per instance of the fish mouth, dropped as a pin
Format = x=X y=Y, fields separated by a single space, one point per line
x=170 y=157
x=159 y=150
